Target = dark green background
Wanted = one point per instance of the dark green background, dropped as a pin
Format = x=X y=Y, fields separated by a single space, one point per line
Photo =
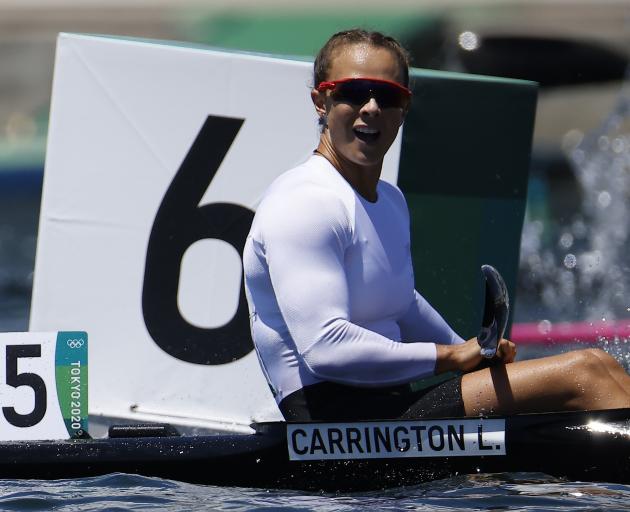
x=463 y=169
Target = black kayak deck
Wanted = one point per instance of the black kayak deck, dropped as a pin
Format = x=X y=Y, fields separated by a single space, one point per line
x=589 y=446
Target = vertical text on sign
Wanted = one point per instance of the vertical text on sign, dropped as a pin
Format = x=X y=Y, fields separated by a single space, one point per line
x=71 y=368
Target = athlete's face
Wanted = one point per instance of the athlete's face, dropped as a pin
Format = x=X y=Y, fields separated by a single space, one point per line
x=360 y=134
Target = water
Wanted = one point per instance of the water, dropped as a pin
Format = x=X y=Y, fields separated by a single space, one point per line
x=515 y=491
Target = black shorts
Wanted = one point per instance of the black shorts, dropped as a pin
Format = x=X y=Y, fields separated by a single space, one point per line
x=328 y=401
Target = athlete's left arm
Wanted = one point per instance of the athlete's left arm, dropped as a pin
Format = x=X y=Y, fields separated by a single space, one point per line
x=422 y=322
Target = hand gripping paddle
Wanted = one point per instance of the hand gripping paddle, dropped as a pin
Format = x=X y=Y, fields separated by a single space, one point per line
x=495 y=312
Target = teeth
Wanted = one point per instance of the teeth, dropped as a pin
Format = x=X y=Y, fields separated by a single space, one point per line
x=365 y=129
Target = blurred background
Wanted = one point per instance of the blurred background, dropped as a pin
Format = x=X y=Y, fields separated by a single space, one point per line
x=574 y=265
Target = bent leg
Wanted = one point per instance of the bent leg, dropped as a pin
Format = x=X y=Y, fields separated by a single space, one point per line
x=579 y=380
x=615 y=370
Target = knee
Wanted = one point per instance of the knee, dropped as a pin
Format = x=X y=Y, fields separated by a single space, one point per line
x=607 y=360
x=589 y=366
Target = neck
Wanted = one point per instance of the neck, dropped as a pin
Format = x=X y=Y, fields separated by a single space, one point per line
x=362 y=178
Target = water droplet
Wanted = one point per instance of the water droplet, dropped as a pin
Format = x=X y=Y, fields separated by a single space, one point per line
x=570 y=261
x=578 y=156
x=572 y=139
x=579 y=229
x=603 y=199
x=544 y=326
x=566 y=240
x=618 y=145
x=468 y=40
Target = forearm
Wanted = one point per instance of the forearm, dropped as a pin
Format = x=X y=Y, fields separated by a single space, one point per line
x=463 y=357
x=423 y=323
x=350 y=354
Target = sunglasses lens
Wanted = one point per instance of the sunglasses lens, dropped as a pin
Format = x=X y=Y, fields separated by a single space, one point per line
x=355 y=92
x=359 y=92
x=388 y=95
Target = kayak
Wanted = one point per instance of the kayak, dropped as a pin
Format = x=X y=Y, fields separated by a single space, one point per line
x=585 y=445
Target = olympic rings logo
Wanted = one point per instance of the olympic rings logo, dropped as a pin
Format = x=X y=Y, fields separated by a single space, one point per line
x=76 y=343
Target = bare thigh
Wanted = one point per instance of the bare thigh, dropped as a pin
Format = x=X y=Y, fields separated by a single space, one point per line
x=572 y=381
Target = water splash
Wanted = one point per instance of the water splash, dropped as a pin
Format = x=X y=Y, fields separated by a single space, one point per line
x=580 y=269
x=617 y=347
x=601 y=161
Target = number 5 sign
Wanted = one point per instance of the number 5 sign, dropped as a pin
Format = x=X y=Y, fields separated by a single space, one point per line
x=43 y=385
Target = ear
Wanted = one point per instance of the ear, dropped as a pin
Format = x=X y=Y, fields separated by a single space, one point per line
x=319 y=100
x=403 y=117
x=405 y=112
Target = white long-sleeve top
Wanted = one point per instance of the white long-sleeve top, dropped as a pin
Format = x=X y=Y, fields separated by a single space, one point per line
x=330 y=287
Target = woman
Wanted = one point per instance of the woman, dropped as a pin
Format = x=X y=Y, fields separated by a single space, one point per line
x=339 y=329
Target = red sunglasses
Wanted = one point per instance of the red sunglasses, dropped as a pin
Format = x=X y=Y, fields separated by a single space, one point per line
x=358 y=91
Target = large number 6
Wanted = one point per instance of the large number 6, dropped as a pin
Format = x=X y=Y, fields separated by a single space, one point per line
x=179 y=223
x=32 y=380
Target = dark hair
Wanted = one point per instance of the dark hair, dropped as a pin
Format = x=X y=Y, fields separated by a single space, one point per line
x=324 y=58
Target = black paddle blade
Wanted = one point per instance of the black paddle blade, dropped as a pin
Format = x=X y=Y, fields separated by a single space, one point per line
x=495 y=312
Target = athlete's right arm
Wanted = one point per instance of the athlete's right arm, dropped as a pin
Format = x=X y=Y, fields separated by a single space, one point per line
x=304 y=240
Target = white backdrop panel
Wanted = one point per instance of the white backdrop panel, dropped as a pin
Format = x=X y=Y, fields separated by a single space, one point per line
x=124 y=115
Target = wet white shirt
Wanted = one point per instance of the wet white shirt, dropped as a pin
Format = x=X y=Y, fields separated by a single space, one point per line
x=330 y=286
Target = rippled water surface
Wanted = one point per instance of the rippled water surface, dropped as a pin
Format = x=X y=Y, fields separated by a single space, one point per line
x=522 y=491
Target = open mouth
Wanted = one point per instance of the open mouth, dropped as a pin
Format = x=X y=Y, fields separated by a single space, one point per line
x=366 y=134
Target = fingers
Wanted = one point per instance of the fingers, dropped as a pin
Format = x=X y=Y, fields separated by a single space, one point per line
x=506 y=351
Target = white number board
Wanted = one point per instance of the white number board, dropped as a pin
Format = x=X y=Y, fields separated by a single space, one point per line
x=43 y=385
x=166 y=153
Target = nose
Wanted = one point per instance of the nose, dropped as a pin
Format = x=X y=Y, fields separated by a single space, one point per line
x=371 y=108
